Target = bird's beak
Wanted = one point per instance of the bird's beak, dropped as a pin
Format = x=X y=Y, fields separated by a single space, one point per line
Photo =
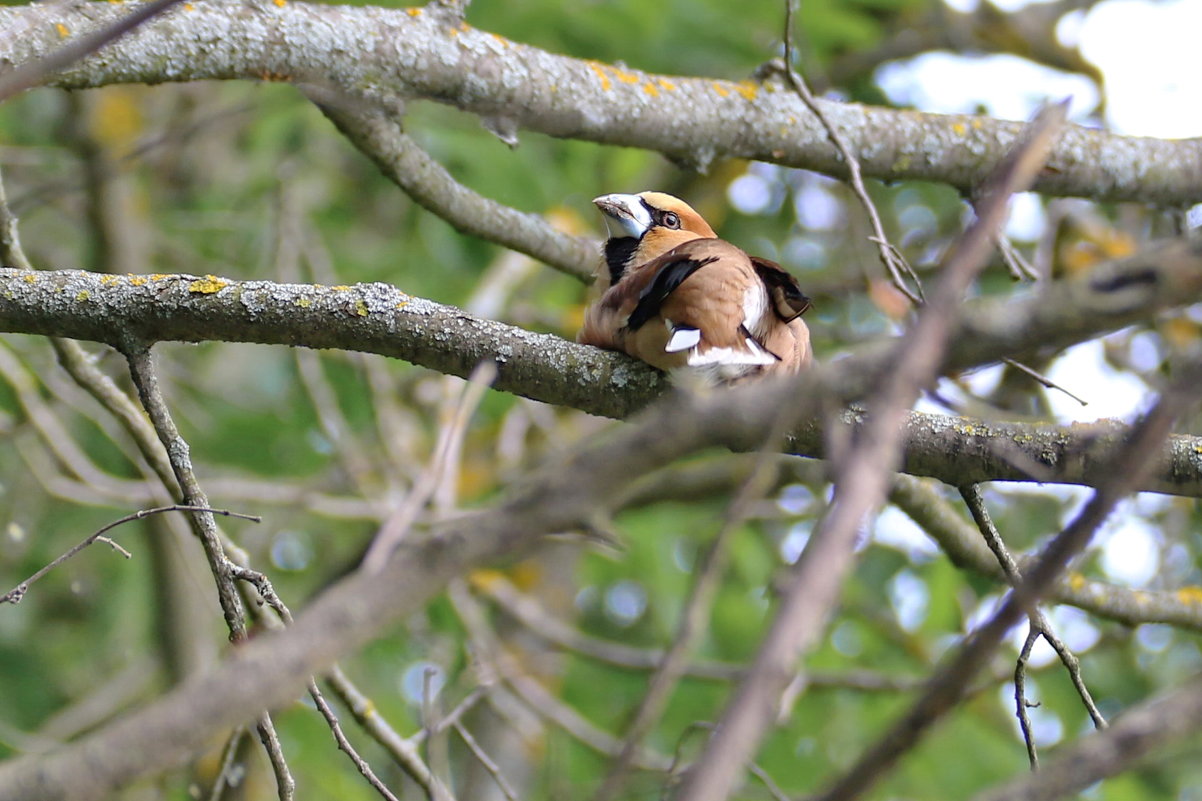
x=625 y=215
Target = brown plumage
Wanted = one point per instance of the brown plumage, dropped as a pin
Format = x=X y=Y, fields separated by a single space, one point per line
x=679 y=298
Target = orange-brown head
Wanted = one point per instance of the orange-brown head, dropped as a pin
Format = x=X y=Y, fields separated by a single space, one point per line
x=643 y=227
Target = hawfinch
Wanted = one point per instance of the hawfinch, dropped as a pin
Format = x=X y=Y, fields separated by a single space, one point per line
x=680 y=299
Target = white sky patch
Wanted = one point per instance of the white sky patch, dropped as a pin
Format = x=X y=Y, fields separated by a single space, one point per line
x=1130 y=548
x=1074 y=628
x=625 y=602
x=894 y=528
x=1110 y=393
x=909 y=596
x=816 y=208
x=1027 y=220
x=750 y=193
x=1006 y=86
x=1151 y=58
x=795 y=541
x=982 y=612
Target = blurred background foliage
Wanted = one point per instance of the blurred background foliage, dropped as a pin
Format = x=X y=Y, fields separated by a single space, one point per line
x=250 y=181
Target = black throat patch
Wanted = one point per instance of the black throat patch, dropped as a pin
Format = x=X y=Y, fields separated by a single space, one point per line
x=618 y=253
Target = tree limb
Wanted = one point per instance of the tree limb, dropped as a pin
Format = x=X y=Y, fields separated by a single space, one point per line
x=377 y=55
x=378 y=318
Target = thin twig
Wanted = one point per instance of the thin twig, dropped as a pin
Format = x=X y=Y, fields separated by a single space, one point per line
x=492 y=767
x=263 y=586
x=494 y=660
x=1040 y=378
x=141 y=368
x=896 y=265
x=11 y=252
x=1149 y=731
x=226 y=777
x=450 y=440
x=270 y=739
x=1020 y=268
x=365 y=712
x=1021 y=704
x=345 y=745
x=15 y=595
x=1039 y=622
x=697 y=608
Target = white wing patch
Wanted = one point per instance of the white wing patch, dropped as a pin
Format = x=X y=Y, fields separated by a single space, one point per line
x=755 y=305
x=683 y=338
x=753 y=355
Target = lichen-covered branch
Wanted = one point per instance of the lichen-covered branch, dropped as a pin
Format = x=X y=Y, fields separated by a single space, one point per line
x=376 y=55
x=378 y=318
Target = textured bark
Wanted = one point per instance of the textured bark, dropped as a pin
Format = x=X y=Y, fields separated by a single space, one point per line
x=378 y=318
x=385 y=56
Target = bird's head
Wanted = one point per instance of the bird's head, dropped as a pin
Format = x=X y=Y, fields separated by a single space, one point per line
x=644 y=226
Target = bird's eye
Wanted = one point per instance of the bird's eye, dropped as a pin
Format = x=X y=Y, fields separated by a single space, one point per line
x=671 y=220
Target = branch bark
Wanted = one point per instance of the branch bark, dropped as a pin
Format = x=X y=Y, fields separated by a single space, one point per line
x=377 y=55
x=378 y=318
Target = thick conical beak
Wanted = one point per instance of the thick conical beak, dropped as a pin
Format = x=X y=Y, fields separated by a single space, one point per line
x=625 y=215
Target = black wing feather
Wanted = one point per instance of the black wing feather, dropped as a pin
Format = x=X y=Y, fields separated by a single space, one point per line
x=788 y=300
x=671 y=275
x=618 y=252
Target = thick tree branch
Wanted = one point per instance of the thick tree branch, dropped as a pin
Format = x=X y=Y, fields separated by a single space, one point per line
x=378 y=318
x=378 y=54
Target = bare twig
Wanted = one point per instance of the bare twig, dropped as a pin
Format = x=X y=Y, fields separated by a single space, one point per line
x=379 y=135
x=227 y=776
x=492 y=767
x=1020 y=268
x=1141 y=731
x=10 y=240
x=450 y=441
x=895 y=264
x=403 y=752
x=284 y=783
x=345 y=745
x=495 y=661
x=141 y=368
x=1021 y=704
x=961 y=541
x=1039 y=622
x=15 y=595
x=696 y=610
x=1043 y=380
x=263 y=586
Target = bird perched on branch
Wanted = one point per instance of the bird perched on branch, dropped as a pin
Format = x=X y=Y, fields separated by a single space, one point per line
x=674 y=295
